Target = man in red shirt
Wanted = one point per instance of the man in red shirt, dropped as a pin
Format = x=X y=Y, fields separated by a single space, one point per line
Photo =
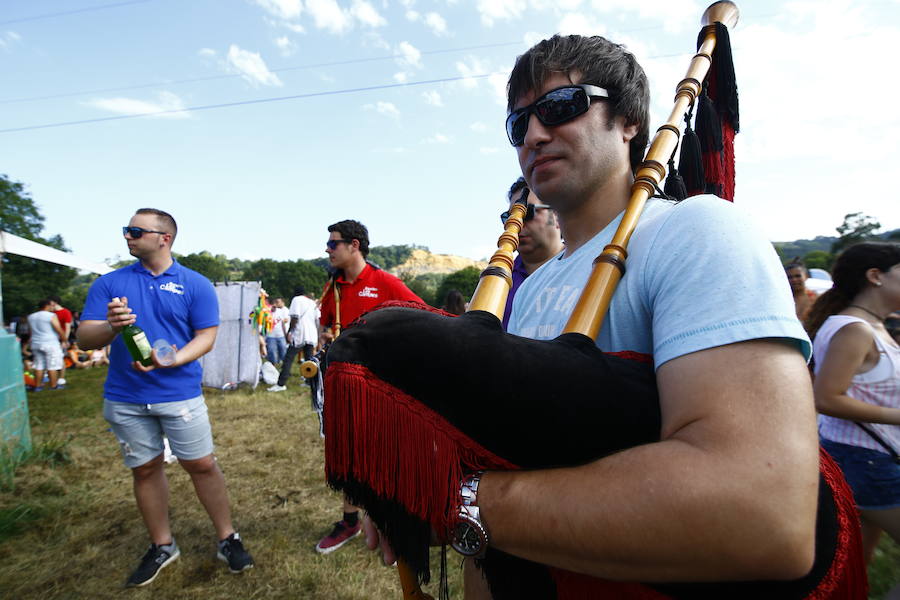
x=360 y=287
x=65 y=319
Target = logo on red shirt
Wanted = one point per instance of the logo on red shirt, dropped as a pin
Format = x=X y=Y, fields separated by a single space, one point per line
x=369 y=292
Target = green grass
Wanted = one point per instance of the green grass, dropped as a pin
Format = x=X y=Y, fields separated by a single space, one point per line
x=69 y=527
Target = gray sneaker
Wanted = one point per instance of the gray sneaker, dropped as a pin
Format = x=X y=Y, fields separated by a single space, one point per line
x=231 y=550
x=156 y=558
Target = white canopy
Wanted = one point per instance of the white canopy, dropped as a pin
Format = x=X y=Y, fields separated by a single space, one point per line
x=13 y=244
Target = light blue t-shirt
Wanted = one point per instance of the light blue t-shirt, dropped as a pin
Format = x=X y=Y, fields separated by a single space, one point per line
x=699 y=274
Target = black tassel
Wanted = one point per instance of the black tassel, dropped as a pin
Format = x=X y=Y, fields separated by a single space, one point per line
x=722 y=81
x=674 y=186
x=709 y=127
x=690 y=161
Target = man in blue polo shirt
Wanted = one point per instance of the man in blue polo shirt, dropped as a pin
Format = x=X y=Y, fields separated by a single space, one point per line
x=141 y=403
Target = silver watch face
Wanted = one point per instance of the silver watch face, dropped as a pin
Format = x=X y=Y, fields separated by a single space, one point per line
x=468 y=537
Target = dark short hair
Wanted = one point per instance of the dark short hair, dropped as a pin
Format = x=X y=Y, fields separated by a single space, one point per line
x=600 y=62
x=353 y=230
x=44 y=303
x=166 y=220
x=515 y=188
x=299 y=291
x=56 y=299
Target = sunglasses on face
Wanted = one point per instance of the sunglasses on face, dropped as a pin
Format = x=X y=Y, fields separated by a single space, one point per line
x=333 y=244
x=136 y=232
x=553 y=108
x=529 y=212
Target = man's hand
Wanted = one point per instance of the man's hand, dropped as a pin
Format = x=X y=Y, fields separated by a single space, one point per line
x=325 y=337
x=156 y=364
x=118 y=315
x=375 y=541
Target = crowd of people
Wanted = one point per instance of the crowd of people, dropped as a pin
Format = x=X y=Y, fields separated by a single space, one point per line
x=728 y=493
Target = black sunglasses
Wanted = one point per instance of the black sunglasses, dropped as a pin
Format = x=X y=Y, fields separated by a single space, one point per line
x=332 y=244
x=136 y=232
x=529 y=212
x=553 y=108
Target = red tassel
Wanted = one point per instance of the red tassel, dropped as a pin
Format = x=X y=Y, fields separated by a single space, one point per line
x=404 y=451
x=575 y=586
x=846 y=579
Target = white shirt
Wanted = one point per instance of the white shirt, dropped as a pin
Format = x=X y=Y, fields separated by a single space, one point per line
x=281 y=318
x=306 y=330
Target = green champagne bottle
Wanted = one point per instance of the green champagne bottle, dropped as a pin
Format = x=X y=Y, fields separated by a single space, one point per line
x=138 y=346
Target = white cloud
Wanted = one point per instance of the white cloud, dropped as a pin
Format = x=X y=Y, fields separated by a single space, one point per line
x=8 y=38
x=469 y=68
x=283 y=9
x=673 y=15
x=208 y=52
x=497 y=83
x=500 y=10
x=436 y=23
x=385 y=108
x=433 y=98
x=366 y=14
x=410 y=56
x=286 y=46
x=489 y=150
x=401 y=77
x=412 y=15
x=437 y=138
x=478 y=127
x=328 y=15
x=251 y=66
x=579 y=23
x=295 y=27
x=166 y=101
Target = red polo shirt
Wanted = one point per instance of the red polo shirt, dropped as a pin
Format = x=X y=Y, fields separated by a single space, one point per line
x=371 y=288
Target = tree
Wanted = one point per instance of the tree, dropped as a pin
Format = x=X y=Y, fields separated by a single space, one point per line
x=425 y=286
x=214 y=268
x=856 y=228
x=818 y=259
x=279 y=278
x=464 y=280
x=28 y=280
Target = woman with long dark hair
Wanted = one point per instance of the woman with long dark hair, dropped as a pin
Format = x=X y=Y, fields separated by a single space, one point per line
x=857 y=381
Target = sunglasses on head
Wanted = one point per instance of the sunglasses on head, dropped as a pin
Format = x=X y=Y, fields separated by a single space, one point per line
x=333 y=244
x=553 y=108
x=529 y=212
x=136 y=232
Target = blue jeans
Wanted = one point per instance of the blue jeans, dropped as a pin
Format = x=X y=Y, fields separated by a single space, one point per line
x=275 y=349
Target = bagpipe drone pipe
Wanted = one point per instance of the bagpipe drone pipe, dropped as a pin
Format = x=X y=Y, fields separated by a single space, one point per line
x=415 y=399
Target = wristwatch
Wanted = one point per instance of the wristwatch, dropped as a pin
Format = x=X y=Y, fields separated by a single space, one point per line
x=470 y=537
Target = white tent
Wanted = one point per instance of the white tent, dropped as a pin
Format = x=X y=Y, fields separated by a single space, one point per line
x=13 y=244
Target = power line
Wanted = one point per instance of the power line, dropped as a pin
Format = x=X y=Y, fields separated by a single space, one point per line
x=73 y=12
x=233 y=75
x=247 y=102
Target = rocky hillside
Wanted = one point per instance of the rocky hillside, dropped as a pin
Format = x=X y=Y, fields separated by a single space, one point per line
x=422 y=261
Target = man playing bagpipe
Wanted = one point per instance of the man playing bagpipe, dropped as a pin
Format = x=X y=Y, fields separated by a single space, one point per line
x=729 y=491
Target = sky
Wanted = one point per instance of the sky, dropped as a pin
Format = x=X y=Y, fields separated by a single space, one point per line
x=276 y=118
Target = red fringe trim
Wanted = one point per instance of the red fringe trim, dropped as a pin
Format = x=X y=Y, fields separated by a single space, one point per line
x=846 y=579
x=575 y=586
x=401 y=449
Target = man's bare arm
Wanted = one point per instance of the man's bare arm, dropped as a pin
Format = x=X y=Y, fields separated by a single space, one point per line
x=94 y=334
x=728 y=494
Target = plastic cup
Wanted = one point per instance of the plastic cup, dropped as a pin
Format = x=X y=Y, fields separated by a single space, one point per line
x=165 y=353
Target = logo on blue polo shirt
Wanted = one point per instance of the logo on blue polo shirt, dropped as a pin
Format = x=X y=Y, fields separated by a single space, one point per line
x=175 y=288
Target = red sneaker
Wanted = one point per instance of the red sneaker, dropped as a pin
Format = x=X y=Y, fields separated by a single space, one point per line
x=340 y=535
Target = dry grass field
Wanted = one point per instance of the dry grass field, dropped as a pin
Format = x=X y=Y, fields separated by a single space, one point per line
x=69 y=528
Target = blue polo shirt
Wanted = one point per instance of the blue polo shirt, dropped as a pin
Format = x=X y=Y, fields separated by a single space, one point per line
x=171 y=305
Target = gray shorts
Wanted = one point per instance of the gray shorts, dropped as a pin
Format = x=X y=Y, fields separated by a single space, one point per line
x=140 y=428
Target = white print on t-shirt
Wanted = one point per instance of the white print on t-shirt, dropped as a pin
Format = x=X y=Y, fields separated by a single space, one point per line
x=175 y=288
x=369 y=292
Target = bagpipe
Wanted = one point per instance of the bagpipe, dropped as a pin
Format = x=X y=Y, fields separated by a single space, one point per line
x=401 y=433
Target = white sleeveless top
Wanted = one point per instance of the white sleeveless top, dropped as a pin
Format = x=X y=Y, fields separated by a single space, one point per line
x=879 y=386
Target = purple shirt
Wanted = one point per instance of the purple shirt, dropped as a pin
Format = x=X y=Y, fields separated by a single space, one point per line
x=518 y=276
